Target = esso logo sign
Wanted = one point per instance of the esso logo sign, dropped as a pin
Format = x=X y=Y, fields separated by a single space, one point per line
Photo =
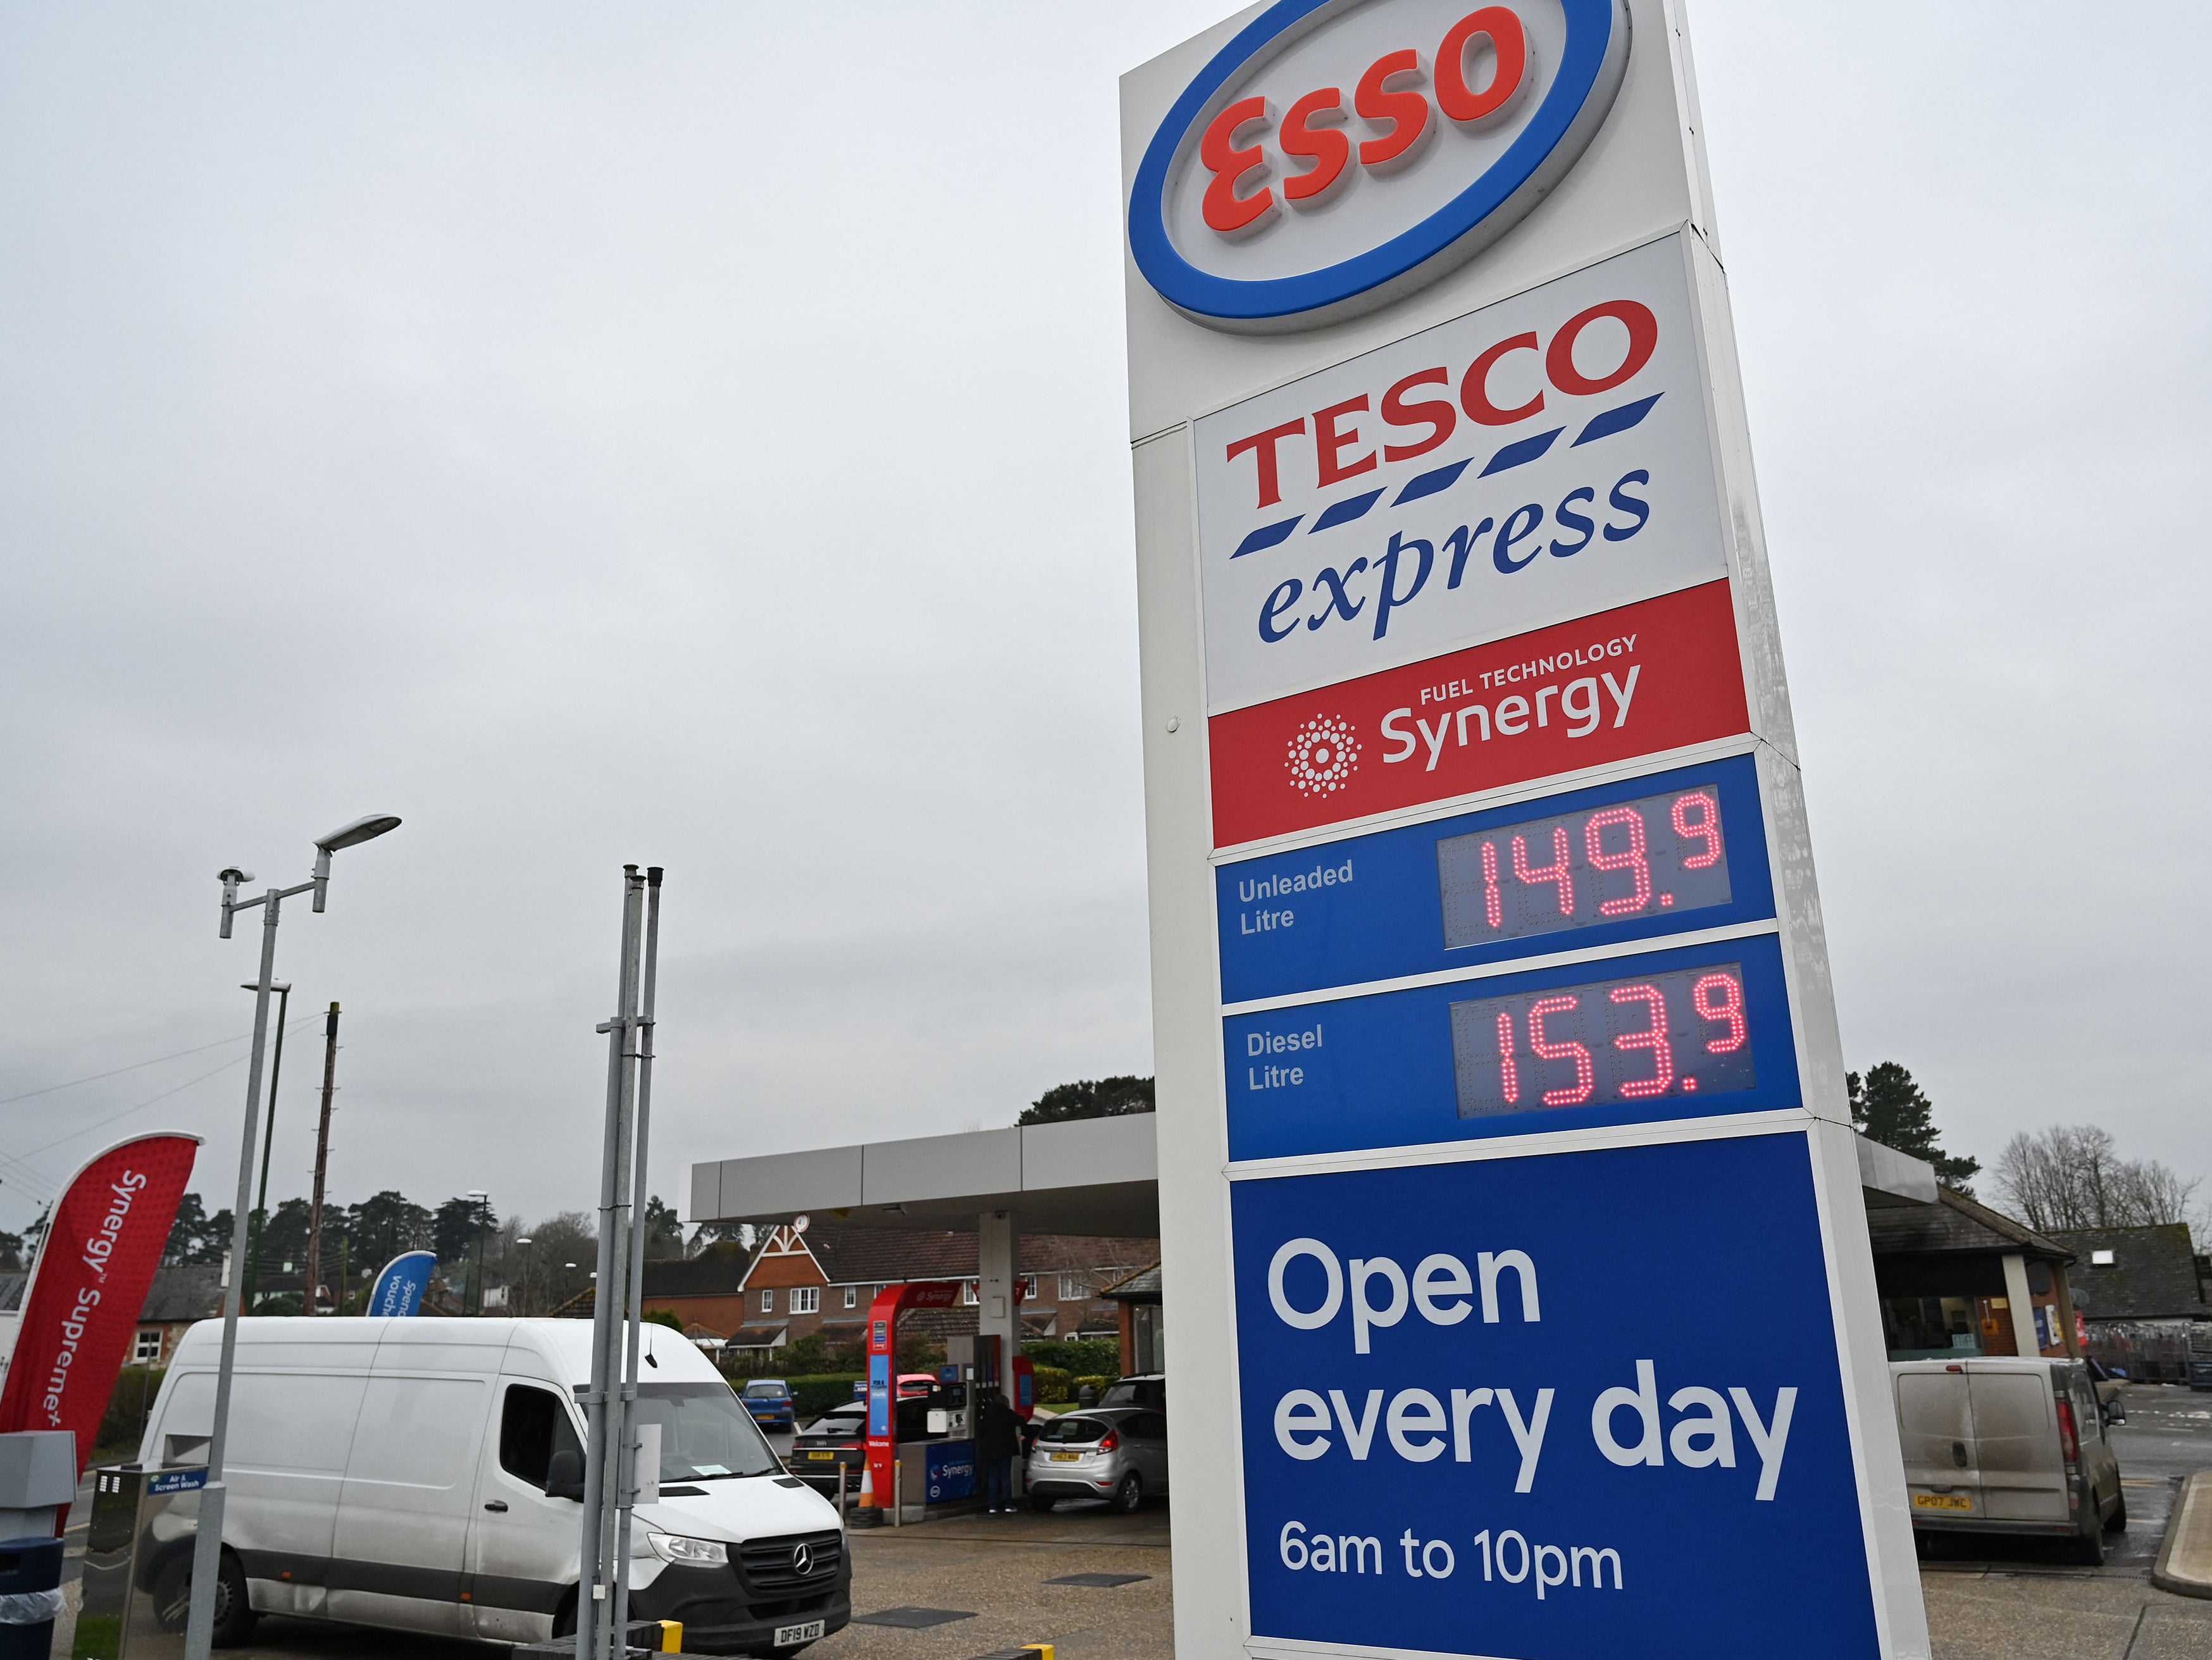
x=1339 y=154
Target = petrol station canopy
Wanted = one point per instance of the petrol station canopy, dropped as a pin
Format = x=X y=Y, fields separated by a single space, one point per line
x=1095 y=1176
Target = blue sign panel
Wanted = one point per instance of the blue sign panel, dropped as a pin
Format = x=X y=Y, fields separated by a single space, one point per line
x=399 y=1289
x=1471 y=1421
x=184 y=1480
x=1682 y=1033
x=1654 y=855
x=950 y=1468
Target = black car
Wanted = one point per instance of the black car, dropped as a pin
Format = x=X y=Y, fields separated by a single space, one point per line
x=838 y=1438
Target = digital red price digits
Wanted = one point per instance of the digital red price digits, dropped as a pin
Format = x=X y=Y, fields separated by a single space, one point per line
x=1663 y=851
x=1623 y=1039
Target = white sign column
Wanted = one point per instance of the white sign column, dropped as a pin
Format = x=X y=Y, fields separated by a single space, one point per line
x=1490 y=994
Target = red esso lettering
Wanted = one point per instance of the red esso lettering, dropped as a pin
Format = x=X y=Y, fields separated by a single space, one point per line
x=1388 y=102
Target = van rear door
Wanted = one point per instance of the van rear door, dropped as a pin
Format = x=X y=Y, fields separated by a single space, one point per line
x=1935 y=1431
x=2016 y=1435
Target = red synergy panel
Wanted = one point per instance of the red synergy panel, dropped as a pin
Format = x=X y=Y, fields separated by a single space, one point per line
x=1645 y=678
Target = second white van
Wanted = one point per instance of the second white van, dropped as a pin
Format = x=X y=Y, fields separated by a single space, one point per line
x=427 y=1475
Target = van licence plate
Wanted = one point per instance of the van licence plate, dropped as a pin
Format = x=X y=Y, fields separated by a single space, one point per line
x=1942 y=1501
x=1066 y=1458
x=811 y=1631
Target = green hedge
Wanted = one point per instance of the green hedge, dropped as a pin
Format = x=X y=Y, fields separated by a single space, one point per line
x=127 y=1409
x=1054 y=1383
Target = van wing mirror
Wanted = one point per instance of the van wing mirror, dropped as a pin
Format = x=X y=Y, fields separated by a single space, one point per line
x=564 y=1475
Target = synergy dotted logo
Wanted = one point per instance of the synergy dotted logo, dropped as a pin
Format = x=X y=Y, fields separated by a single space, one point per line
x=1323 y=756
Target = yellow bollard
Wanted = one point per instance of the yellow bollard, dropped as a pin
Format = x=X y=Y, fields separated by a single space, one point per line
x=671 y=1638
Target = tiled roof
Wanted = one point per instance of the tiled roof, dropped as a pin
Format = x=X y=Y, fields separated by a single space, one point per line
x=191 y=1291
x=2153 y=1274
x=11 y=1291
x=1955 y=1223
x=1142 y=1287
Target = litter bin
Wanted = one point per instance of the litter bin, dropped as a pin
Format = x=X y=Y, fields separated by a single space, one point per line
x=138 y=1562
x=30 y=1597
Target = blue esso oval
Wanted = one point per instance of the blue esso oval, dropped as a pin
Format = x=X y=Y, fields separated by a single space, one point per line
x=1338 y=154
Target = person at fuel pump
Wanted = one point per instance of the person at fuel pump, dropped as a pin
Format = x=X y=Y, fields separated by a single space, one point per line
x=998 y=1439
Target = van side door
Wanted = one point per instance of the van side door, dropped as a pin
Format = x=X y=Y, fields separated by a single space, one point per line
x=404 y=1515
x=1935 y=1432
x=523 y=1544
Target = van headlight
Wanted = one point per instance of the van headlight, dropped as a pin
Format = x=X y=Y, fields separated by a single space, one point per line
x=697 y=1553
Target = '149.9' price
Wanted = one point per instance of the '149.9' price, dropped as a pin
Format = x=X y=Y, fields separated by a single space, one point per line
x=1680 y=1033
x=1660 y=854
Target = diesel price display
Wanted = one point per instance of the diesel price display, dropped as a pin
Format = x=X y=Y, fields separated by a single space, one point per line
x=1683 y=1032
x=1631 y=859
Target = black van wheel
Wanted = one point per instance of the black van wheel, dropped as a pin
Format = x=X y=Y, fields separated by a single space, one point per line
x=234 y=1618
x=2117 y=1521
x=2089 y=1549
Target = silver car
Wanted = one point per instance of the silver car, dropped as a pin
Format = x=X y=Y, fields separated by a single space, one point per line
x=1115 y=1453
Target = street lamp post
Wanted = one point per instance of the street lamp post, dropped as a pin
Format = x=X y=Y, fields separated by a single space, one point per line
x=523 y=1307
x=207 y=1548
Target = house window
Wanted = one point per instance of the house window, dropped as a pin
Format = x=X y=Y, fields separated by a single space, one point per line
x=767 y=1301
x=851 y=1297
x=1073 y=1288
x=806 y=1299
x=148 y=1349
x=2101 y=1259
x=968 y=1293
x=1027 y=1286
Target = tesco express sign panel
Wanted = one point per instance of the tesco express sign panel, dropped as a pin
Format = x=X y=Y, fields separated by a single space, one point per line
x=1336 y=154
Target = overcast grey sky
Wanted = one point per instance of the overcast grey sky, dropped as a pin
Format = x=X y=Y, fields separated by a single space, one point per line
x=694 y=435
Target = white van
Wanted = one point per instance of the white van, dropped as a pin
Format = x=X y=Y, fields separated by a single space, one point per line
x=2006 y=1445
x=427 y=1475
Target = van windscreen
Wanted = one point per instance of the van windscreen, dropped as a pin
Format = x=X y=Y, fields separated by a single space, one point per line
x=704 y=1432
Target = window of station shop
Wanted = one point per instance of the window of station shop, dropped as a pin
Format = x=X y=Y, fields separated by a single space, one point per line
x=1946 y=1328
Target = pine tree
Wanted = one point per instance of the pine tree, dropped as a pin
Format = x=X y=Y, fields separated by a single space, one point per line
x=1888 y=1107
x=1101 y=1097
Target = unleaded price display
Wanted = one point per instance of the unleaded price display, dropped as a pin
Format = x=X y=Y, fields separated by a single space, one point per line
x=1679 y=1033
x=1631 y=859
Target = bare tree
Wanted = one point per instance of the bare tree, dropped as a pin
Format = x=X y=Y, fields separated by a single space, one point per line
x=2071 y=1175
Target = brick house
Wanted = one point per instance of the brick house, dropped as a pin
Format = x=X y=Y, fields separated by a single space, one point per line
x=792 y=1285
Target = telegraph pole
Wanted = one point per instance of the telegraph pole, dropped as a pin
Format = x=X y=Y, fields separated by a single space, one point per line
x=322 y=1163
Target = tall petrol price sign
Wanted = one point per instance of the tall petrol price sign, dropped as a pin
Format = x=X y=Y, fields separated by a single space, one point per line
x=1518 y=1274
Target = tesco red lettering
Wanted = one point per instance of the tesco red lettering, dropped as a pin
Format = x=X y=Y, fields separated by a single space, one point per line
x=1474 y=390
x=1436 y=413
x=1566 y=360
x=1388 y=99
x=1330 y=443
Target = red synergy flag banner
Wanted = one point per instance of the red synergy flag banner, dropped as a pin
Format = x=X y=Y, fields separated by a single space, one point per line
x=89 y=1283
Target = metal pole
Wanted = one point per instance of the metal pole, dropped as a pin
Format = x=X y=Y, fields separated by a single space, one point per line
x=322 y=1164
x=207 y=1548
x=640 y=1201
x=601 y=1402
x=268 y=1136
x=620 y=1413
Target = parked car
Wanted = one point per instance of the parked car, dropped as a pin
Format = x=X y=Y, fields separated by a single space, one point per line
x=814 y=1451
x=1148 y=1390
x=2000 y=1446
x=1118 y=1453
x=426 y=1475
x=769 y=1399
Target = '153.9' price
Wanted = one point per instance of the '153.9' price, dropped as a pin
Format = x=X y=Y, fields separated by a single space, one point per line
x=1684 y=1032
x=1659 y=854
